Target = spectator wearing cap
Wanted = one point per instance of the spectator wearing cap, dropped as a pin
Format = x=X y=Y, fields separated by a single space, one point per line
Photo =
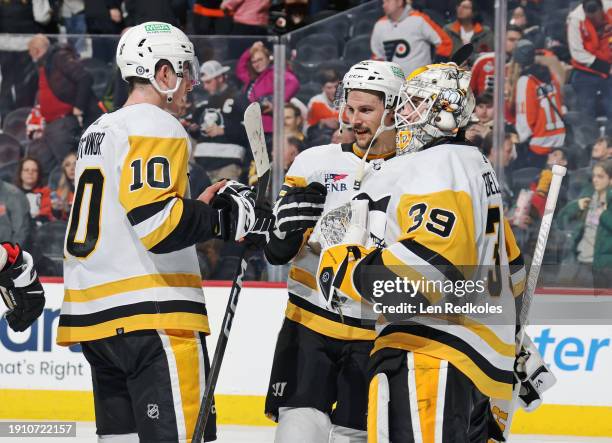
x=321 y=110
x=539 y=107
x=255 y=71
x=219 y=133
x=589 y=30
x=468 y=29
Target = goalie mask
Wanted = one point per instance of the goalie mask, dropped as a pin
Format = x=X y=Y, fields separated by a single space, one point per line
x=142 y=46
x=434 y=102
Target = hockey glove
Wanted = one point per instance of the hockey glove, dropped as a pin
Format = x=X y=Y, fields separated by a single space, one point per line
x=21 y=290
x=533 y=375
x=239 y=217
x=259 y=236
x=299 y=209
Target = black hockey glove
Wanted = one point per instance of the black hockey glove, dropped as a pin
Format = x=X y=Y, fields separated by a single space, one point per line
x=299 y=209
x=21 y=290
x=240 y=217
x=259 y=236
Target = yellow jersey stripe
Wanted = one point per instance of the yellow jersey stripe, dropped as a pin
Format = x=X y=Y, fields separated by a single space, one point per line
x=304 y=277
x=69 y=335
x=327 y=327
x=166 y=228
x=132 y=284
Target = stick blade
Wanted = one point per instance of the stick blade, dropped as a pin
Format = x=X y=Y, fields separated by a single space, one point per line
x=255 y=134
x=463 y=54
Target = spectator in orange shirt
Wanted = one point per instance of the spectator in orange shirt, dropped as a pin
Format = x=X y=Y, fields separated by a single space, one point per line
x=321 y=107
x=468 y=29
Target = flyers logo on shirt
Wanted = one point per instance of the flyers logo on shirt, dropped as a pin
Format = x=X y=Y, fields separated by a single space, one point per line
x=396 y=48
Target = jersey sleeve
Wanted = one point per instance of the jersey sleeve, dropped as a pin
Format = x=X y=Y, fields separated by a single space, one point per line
x=153 y=191
x=518 y=274
x=281 y=251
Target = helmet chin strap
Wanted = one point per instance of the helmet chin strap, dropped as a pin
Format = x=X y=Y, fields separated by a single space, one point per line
x=362 y=165
x=169 y=93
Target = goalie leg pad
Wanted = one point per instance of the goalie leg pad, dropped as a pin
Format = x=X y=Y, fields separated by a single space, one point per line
x=302 y=425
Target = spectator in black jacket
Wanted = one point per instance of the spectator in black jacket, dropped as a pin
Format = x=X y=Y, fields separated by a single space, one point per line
x=103 y=17
x=18 y=85
x=66 y=100
x=169 y=11
x=218 y=129
x=210 y=19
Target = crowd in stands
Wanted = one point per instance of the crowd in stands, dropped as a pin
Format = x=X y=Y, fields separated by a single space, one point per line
x=557 y=109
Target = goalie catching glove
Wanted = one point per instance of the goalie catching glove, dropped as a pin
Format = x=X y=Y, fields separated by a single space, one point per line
x=21 y=290
x=240 y=217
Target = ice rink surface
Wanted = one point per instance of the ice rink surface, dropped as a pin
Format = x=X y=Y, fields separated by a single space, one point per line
x=256 y=434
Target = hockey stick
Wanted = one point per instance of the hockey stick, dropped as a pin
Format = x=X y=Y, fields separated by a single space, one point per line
x=532 y=280
x=255 y=134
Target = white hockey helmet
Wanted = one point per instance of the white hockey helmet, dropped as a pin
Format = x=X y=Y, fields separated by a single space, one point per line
x=142 y=46
x=374 y=75
x=435 y=101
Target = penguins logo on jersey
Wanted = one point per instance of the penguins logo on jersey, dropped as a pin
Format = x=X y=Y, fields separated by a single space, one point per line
x=334 y=182
x=211 y=117
x=396 y=48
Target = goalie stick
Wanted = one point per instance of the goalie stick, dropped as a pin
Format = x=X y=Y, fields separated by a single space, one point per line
x=255 y=134
x=504 y=409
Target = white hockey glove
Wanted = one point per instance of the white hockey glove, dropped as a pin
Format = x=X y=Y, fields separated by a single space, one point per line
x=240 y=217
x=21 y=290
x=534 y=376
x=299 y=209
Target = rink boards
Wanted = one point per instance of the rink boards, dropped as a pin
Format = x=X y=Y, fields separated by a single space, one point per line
x=40 y=380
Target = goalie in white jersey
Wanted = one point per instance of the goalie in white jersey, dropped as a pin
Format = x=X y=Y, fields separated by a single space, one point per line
x=133 y=295
x=440 y=354
x=318 y=384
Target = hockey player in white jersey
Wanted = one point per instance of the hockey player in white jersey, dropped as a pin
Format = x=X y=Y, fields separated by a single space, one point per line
x=433 y=368
x=318 y=384
x=133 y=295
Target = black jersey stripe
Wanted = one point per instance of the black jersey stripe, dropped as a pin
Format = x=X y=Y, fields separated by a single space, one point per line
x=454 y=342
x=349 y=321
x=141 y=213
x=448 y=269
x=119 y=312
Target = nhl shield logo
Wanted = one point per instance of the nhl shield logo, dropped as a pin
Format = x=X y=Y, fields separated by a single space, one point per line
x=153 y=411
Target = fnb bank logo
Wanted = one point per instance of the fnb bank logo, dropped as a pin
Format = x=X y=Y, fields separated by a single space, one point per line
x=335 y=182
x=39 y=337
